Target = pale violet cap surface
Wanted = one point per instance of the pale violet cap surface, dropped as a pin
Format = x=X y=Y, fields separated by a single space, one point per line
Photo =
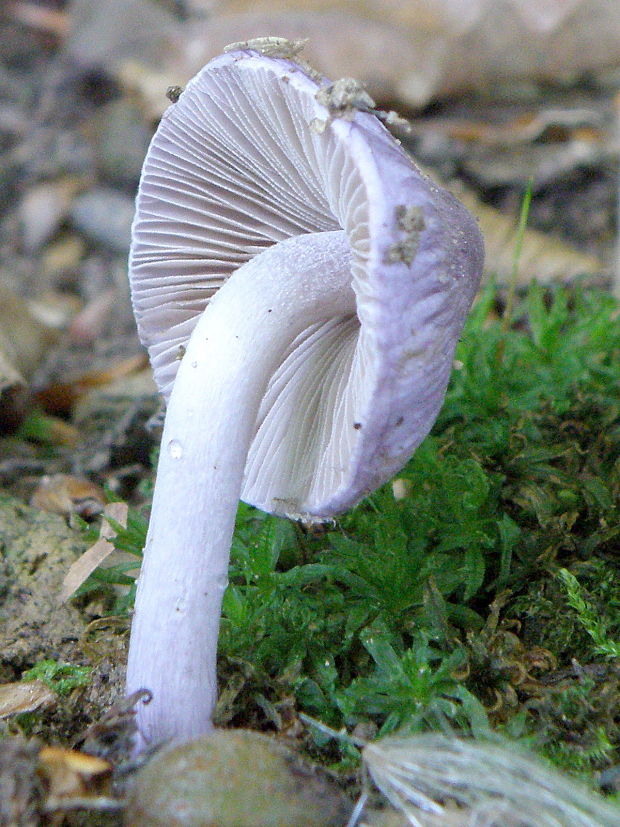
x=238 y=164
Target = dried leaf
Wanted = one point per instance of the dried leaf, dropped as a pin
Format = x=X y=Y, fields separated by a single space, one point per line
x=60 y=397
x=24 y=696
x=70 y=774
x=556 y=125
x=65 y=494
x=85 y=565
x=48 y=430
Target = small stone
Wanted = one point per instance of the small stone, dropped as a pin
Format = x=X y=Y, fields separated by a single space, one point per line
x=43 y=208
x=105 y=215
x=173 y=93
x=233 y=778
x=121 y=138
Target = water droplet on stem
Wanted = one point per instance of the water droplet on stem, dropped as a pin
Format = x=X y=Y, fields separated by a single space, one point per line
x=175 y=449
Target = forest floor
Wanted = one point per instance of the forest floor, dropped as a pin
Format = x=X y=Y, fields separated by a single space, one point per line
x=78 y=430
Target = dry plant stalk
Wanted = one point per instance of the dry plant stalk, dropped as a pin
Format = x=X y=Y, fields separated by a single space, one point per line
x=437 y=780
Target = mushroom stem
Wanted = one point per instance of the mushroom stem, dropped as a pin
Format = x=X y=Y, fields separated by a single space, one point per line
x=231 y=355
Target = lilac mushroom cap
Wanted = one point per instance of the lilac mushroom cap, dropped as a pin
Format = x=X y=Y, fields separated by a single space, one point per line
x=236 y=167
x=250 y=180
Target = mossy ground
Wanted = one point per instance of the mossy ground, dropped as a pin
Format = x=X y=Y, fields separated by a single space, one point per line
x=443 y=601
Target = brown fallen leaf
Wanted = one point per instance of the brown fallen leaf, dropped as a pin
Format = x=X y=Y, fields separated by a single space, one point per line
x=545 y=124
x=84 y=566
x=60 y=397
x=65 y=494
x=24 y=696
x=67 y=774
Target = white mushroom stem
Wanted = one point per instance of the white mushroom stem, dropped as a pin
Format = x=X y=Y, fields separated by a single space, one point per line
x=232 y=353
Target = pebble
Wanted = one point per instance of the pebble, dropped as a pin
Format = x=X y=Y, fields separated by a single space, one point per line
x=105 y=215
x=121 y=139
x=42 y=209
x=233 y=778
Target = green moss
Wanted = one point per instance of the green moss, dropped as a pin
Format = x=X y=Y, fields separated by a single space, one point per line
x=62 y=678
x=445 y=605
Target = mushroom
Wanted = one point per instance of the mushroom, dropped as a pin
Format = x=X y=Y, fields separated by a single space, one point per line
x=301 y=291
